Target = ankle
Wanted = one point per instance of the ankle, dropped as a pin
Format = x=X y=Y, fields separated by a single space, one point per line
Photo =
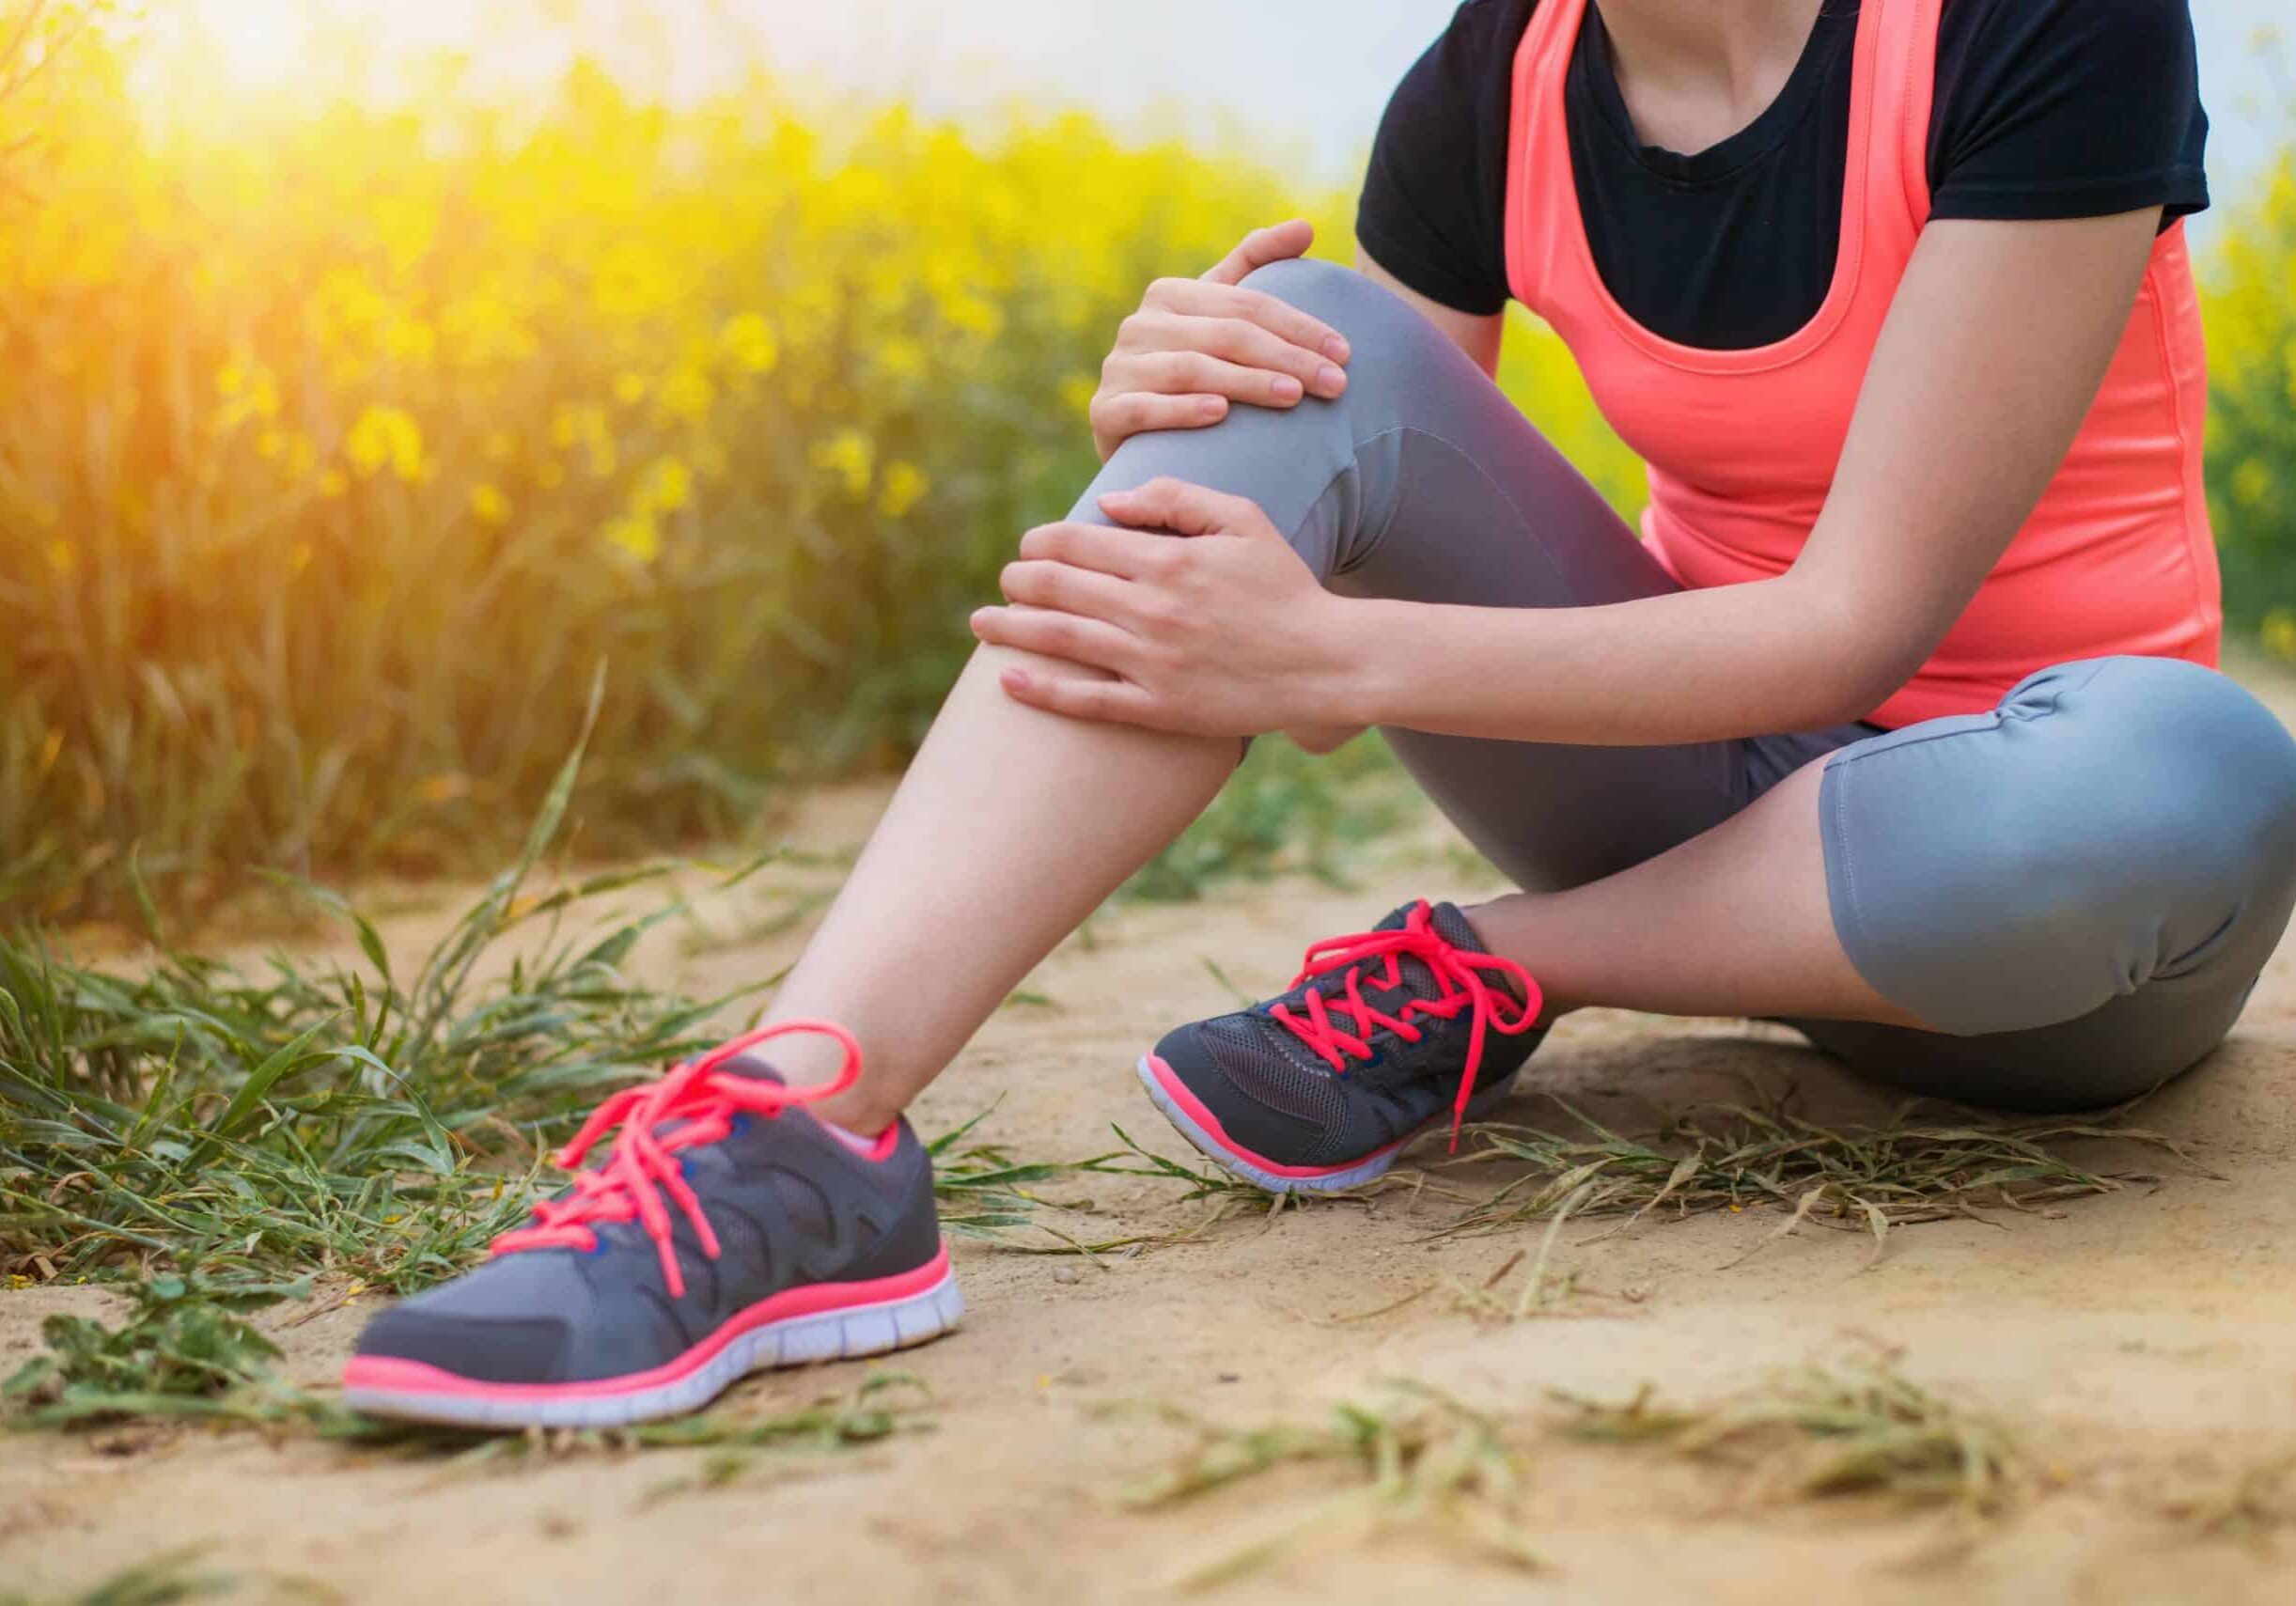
x=1502 y=926
x=855 y=1111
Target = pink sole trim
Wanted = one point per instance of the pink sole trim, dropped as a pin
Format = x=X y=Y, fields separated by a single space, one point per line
x=1178 y=1093
x=391 y=1375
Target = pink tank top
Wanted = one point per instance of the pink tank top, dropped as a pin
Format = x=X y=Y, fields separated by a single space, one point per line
x=1741 y=445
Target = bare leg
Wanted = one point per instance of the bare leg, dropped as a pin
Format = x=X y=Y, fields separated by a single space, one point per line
x=1422 y=483
x=1733 y=922
x=1011 y=826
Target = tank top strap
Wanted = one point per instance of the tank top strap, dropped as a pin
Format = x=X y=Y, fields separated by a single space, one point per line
x=1886 y=190
x=1904 y=94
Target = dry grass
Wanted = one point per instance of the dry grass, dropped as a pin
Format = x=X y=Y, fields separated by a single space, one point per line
x=1853 y=1423
x=1421 y=1457
x=1850 y=1424
x=1865 y=1179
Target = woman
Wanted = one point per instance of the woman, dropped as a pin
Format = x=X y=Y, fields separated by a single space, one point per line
x=1897 y=723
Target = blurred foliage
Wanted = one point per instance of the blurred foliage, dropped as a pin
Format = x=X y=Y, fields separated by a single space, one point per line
x=341 y=452
x=2251 y=303
x=346 y=441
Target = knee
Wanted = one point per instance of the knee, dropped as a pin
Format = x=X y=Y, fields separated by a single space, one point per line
x=2121 y=821
x=2194 y=777
x=1369 y=315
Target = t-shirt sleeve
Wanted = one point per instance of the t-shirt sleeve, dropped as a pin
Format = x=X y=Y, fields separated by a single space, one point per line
x=2066 y=108
x=1434 y=200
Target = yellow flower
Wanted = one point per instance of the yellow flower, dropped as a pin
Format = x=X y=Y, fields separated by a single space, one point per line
x=669 y=487
x=750 y=344
x=904 y=487
x=249 y=392
x=635 y=534
x=688 y=395
x=630 y=390
x=386 y=437
x=851 y=457
x=489 y=505
x=901 y=358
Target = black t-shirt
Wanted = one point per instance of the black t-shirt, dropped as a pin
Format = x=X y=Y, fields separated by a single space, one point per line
x=2043 y=109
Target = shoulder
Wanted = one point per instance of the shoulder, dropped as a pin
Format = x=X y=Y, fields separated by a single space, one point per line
x=1987 y=36
x=1473 y=57
x=2059 y=108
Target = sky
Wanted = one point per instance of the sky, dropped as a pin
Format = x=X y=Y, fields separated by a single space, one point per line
x=1301 y=81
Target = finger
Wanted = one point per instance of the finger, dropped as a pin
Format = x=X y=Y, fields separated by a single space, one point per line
x=1041 y=584
x=1128 y=555
x=1137 y=411
x=1277 y=242
x=1278 y=317
x=1066 y=636
x=1116 y=702
x=1196 y=373
x=1186 y=509
x=1239 y=340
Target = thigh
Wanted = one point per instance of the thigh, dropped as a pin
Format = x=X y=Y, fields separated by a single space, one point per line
x=1425 y=484
x=2079 y=888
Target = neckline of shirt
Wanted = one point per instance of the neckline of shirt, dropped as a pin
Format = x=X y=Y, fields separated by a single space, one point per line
x=1834 y=32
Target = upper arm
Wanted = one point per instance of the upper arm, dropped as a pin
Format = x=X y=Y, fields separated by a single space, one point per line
x=2066 y=108
x=1478 y=334
x=1995 y=348
x=1431 y=221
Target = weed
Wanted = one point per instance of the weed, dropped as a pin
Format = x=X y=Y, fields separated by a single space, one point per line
x=162 y=1580
x=183 y=1345
x=313 y=1120
x=1872 y=1178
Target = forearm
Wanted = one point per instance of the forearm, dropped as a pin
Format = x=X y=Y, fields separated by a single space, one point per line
x=1698 y=665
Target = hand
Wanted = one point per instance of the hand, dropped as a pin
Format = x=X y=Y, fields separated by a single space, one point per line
x=1216 y=630
x=1196 y=345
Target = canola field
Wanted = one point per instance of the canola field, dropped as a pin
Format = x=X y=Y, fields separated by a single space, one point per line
x=343 y=448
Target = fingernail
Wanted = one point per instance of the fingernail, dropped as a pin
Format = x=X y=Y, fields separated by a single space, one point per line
x=1335 y=349
x=1331 y=381
x=1211 y=407
x=1286 y=388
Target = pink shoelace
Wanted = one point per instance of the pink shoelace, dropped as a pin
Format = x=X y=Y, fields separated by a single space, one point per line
x=1460 y=973
x=704 y=1100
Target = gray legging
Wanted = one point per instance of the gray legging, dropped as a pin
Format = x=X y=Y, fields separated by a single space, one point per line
x=2079 y=887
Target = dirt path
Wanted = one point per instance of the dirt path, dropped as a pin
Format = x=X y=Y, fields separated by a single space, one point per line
x=2134 y=1340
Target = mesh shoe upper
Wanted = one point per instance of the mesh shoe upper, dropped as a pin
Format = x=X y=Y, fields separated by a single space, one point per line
x=1372 y=1042
x=784 y=1201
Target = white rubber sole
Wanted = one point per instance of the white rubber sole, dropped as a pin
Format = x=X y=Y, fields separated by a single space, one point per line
x=796 y=1341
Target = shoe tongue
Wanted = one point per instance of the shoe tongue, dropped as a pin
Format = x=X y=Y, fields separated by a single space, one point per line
x=1450 y=925
x=755 y=1068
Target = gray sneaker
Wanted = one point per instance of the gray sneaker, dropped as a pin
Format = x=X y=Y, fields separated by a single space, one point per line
x=1382 y=1036
x=726 y=1232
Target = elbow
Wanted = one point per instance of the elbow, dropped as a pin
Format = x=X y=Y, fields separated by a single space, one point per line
x=1856 y=704
x=1857 y=663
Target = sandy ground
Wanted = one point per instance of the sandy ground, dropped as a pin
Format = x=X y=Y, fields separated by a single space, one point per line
x=2137 y=1342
